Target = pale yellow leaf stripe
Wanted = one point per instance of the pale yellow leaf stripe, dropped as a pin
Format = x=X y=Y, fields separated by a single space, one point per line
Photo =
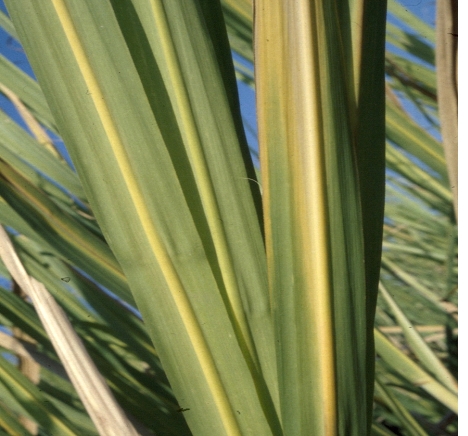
x=175 y=285
x=290 y=45
x=310 y=183
x=288 y=89
x=189 y=131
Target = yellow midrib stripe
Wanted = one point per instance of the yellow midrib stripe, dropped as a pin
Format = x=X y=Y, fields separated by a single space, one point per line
x=175 y=285
x=201 y=173
x=307 y=133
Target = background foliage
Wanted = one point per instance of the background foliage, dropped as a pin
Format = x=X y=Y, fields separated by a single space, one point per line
x=44 y=209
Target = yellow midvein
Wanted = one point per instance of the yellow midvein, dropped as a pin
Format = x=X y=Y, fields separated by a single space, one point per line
x=311 y=187
x=202 y=176
x=181 y=300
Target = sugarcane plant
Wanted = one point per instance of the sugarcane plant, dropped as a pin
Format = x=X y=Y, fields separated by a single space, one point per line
x=163 y=283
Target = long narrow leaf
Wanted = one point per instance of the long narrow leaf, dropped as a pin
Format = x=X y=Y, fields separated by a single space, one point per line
x=420 y=348
x=314 y=147
x=411 y=425
x=151 y=187
x=408 y=369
